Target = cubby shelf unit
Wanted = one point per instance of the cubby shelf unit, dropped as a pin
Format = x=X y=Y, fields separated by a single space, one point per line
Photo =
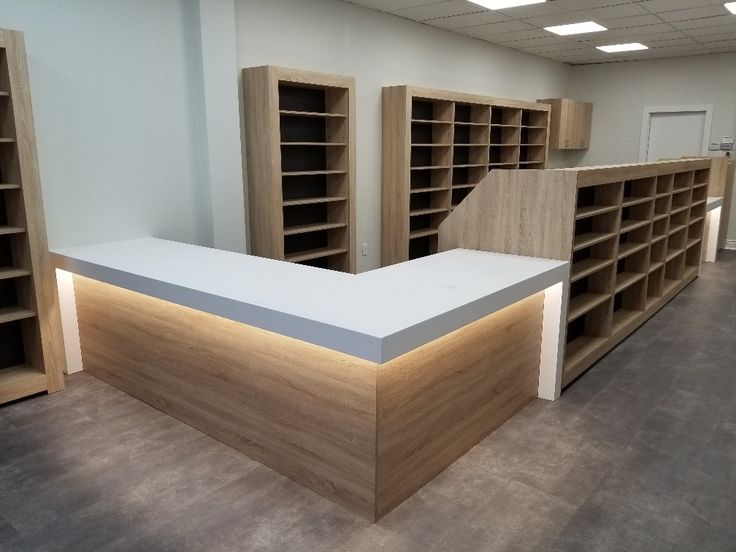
x=300 y=142
x=31 y=354
x=437 y=146
x=632 y=233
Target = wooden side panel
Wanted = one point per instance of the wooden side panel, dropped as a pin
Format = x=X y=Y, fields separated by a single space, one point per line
x=263 y=154
x=395 y=178
x=437 y=402
x=45 y=346
x=571 y=123
x=518 y=212
x=303 y=410
x=727 y=199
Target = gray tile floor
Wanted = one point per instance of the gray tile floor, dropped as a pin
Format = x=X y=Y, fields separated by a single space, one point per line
x=639 y=455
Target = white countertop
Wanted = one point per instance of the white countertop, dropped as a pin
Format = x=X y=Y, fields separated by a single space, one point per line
x=377 y=315
x=713 y=202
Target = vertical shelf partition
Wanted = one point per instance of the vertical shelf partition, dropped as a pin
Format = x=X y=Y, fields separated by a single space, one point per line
x=301 y=159
x=30 y=329
x=437 y=146
x=632 y=233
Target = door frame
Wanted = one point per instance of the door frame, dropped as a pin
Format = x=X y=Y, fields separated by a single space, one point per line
x=646 y=124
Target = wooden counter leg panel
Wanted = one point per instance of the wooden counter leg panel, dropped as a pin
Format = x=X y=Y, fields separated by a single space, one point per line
x=303 y=410
x=436 y=403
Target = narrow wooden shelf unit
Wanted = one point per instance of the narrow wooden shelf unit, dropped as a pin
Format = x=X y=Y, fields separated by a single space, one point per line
x=437 y=146
x=31 y=357
x=300 y=141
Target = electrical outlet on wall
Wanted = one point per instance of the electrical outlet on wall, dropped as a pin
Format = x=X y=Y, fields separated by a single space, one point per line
x=364 y=249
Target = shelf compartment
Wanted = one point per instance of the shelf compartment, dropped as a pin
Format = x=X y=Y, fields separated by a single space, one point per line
x=640 y=188
x=591 y=238
x=425 y=109
x=629 y=224
x=655 y=283
x=672 y=254
x=314 y=114
x=312 y=201
x=313 y=254
x=629 y=303
x=625 y=280
x=596 y=200
x=691 y=242
x=7 y=273
x=683 y=181
x=579 y=348
x=584 y=303
x=429 y=132
x=675 y=228
x=630 y=201
x=624 y=317
x=15 y=313
x=586 y=267
x=696 y=220
x=9 y=187
x=415 y=234
x=427 y=211
x=585 y=334
x=679 y=209
x=655 y=265
x=11 y=230
x=430 y=156
x=21 y=381
x=665 y=183
x=429 y=189
x=630 y=248
x=316 y=227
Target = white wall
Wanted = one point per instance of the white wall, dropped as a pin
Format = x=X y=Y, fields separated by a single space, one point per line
x=620 y=91
x=118 y=113
x=380 y=50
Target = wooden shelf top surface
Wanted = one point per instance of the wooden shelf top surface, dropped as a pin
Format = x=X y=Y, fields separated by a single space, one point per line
x=7 y=230
x=8 y=272
x=590 y=238
x=624 y=280
x=314 y=254
x=593 y=210
x=20 y=381
x=11 y=314
x=306 y=228
x=586 y=267
x=292 y=113
x=9 y=186
x=584 y=303
x=313 y=200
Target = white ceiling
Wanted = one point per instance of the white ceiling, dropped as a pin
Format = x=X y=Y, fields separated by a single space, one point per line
x=670 y=28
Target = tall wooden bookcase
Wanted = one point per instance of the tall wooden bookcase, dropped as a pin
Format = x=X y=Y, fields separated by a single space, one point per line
x=633 y=235
x=437 y=146
x=31 y=347
x=300 y=141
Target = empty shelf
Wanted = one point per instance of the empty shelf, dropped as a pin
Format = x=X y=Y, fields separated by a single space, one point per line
x=432 y=145
x=624 y=280
x=662 y=194
x=9 y=186
x=4 y=94
x=690 y=271
x=431 y=167
x=675 y=228
x=579 y=348
x=673 y=253
x=469 y=166
x=7 y=140
x=679 y=209
x=701 y=185
x=586 y=267
x=658 y=237
x=431 y=121
x=428 y=189
x=680 y=190
x=20 y=381
x=692 y=242
x=9 y=272
x=6 y=230
x=590 y=238
x=463 y=186
x=313 y=200
x=694 y=220
x=336 y=144
x=305 y=228
x=310 y=114
x=314 y=254
x=669 y=285
x=660 y=216
x=11 y=314
x=623 y=317
x=697 y=203
x=629 y=201
x=592 y=210
x=629 y=248
x=311 y=173
x=465 y=123
x=422 y=233
x=429 y=211
x=583 y=303
x=629 y=225
x=655 y=265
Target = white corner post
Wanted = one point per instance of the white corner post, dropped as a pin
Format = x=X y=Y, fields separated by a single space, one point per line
x=553 y=341
x=69 y=324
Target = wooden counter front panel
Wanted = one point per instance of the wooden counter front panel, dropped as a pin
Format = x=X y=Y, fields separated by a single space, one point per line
x=303 y=410
x=436 y=403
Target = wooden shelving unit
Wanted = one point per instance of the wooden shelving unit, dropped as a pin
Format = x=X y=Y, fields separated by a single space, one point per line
x=633 y=235
x=31 y=347
x=300 y=134
x=437 y=146
x=571 y=122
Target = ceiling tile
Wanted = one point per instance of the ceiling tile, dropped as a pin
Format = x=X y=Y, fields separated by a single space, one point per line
x=388 y=5
x=659 y=6
x=704 y=22
x=435 y=10
x=695 y=13
x=610 y=12
x=468 y=20
x=492 y=29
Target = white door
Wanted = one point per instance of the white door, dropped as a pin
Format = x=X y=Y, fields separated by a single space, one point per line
x=673 y=132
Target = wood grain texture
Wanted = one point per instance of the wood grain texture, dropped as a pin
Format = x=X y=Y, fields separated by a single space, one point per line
x=462 y=97
x=571 y=122
x=592 y=176
x=517 y=212
x=437 y=402
x=20 y=381
x=721 y=185
x=395 y=178
x=303 y=410
x=43 y=337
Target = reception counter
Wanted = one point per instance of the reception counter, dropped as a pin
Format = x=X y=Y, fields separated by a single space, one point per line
x=360 y=387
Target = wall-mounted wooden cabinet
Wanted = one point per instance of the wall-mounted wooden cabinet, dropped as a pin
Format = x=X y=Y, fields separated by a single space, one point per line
x=301 y=164
x=571 y=122
x=31 y=348
x=437 y=146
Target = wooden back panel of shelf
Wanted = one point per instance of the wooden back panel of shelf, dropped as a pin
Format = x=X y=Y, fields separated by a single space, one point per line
x=633 y=234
